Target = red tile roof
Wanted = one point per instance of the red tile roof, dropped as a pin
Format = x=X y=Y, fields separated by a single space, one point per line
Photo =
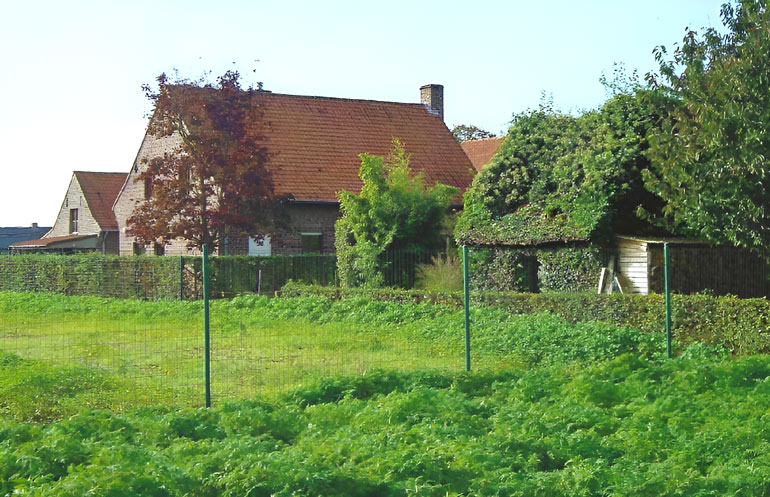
x=313 y=143
x=100 y=191
x=44 y=242
x=480 y=151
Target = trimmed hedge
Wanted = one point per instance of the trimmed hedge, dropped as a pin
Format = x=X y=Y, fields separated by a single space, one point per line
x=740 y=325
x=159 y=278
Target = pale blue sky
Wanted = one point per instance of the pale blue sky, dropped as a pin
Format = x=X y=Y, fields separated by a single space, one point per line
x=70 y=83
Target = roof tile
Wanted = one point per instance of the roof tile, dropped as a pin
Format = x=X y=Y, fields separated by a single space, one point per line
x=100 y=191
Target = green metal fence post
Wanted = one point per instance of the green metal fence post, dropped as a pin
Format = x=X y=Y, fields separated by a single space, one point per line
x=206 y=333
x=181 y=277
x=666 y=277
x=466 y=305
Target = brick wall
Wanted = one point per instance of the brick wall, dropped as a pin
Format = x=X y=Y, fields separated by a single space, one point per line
x=133 y=193
x=304 y=218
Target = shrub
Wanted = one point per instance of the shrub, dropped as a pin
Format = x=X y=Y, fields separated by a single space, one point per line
x=443 y=274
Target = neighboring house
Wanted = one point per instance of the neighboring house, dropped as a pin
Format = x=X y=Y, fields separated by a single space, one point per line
x=12 y=235
x=481 y=151
x=86 y=222
x=313 y=147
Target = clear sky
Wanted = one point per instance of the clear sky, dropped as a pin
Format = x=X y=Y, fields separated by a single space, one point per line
x=71 y=75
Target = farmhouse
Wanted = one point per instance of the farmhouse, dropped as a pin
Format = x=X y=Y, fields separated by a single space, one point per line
x=313 y=146
x=85 y=222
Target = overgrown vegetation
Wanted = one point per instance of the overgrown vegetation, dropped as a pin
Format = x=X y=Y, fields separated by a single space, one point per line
x=553 y=408
x=710 y=157
x=443 y=274
x=560 y=178
x=395 y=210
x=739 y=325
x=152 y=351
x=627 y=426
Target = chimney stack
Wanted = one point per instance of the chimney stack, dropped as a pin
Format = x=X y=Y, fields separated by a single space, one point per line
x=34 y=225
x=432 y=96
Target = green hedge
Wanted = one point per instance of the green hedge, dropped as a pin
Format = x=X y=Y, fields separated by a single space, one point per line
x=159 y=278
x=740 y=325
x=574 y=268
x=151 y=278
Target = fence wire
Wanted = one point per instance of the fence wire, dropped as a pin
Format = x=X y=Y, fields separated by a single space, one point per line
x=148 y=347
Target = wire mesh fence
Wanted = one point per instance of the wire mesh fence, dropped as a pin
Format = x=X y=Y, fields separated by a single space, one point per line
x=116 y=360
x=149 y=348
x=180 y=277
x=122 y=354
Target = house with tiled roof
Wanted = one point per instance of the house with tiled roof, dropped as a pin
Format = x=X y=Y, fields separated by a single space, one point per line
x=481 y=151
x=313 y=145
x=12 y=234
x=86 y=222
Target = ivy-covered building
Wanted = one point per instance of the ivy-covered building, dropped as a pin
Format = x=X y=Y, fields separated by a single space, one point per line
x=519 y=255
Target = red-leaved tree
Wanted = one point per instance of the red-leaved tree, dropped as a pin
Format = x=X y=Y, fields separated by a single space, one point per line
x=213 y=183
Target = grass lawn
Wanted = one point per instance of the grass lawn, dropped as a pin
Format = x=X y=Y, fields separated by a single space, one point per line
x=155 y=351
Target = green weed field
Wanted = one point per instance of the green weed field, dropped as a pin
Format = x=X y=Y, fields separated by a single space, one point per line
x=553 y=410
x=625 y=426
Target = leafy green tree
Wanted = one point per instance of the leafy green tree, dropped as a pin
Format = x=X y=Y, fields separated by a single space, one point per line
x=395 y=210
x=465 y=132
x=561 y=177
x=710 y=159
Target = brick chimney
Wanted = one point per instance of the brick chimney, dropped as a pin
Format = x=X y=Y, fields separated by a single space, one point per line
x=432 y=96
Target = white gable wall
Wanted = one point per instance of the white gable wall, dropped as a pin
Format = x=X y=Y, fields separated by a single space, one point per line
x=74 y=199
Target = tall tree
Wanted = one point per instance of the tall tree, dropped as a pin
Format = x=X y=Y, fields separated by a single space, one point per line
x=214 y=182
x=465 y=132
x=395 y=210
x=710 y=160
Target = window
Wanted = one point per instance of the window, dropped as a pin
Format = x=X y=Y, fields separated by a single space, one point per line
x=147 y=188
x=257 y=249
x=311 y=243
x=158 y=249
x=138 y=249
x=73 y=220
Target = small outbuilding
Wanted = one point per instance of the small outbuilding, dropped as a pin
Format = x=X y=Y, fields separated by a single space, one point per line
x=695 y=266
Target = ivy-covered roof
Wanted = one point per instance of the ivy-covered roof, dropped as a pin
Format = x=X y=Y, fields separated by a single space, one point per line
x=528 y=226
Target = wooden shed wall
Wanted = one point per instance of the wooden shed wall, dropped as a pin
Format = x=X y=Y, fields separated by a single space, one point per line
x=632 y=264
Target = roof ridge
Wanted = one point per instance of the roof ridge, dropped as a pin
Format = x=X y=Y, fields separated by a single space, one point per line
x=291 y=95
x=484 y=139
x=100 y=172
